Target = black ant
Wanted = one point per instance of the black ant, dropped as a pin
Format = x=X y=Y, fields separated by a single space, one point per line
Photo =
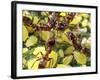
x=75 y=41
x=77 y=44
x=53 y=23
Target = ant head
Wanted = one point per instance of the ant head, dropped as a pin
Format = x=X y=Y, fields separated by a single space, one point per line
x=50 y=43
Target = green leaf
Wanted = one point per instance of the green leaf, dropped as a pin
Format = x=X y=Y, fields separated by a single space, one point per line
x=25 y=33
x=31 y=41
x=80 y=57
x=24 y=61
x=33 y=63
x=36 y=19
x=67 y=59
x=85 y=15
x=34 y=13
x=84 y=34
x=44 y=13
x=28 y=54
x=61 y=53
x=46 y=35
x=46 y=19
x=25 y=50
x=69 y=50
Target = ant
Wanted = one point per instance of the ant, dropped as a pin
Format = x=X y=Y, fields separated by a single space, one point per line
x=45 y=58
x=75 y=41
x=77 y=44
x=53 y=23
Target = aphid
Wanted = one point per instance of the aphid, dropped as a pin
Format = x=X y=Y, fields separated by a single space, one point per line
x=52 y=20
x=61 y=26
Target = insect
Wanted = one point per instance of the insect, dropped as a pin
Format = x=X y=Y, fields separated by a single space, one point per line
x=74 y=39
x=53 y=23
x=45 y=58
x=77 y=44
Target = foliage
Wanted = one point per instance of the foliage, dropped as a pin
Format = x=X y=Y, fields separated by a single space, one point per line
x=56 y=39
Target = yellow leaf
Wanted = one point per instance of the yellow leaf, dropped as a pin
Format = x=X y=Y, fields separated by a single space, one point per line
x=36 y=19
x=27 y=14
x=65 y=38
x=61 y=66
x=62 y=14
x=84 y=23
x=46 y=35
x=61 y=53
x=67 y=59
x=76 y=20
x=25 y=33
x=33 y=63
x=39 y=51
x=31 y=41
x=25 y=50
x=80 y=57
x=53 y=55
x=69 y=50
x=66 y=31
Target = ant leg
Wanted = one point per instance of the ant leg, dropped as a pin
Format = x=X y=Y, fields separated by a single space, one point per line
x=35 y=61
x=38 y=58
